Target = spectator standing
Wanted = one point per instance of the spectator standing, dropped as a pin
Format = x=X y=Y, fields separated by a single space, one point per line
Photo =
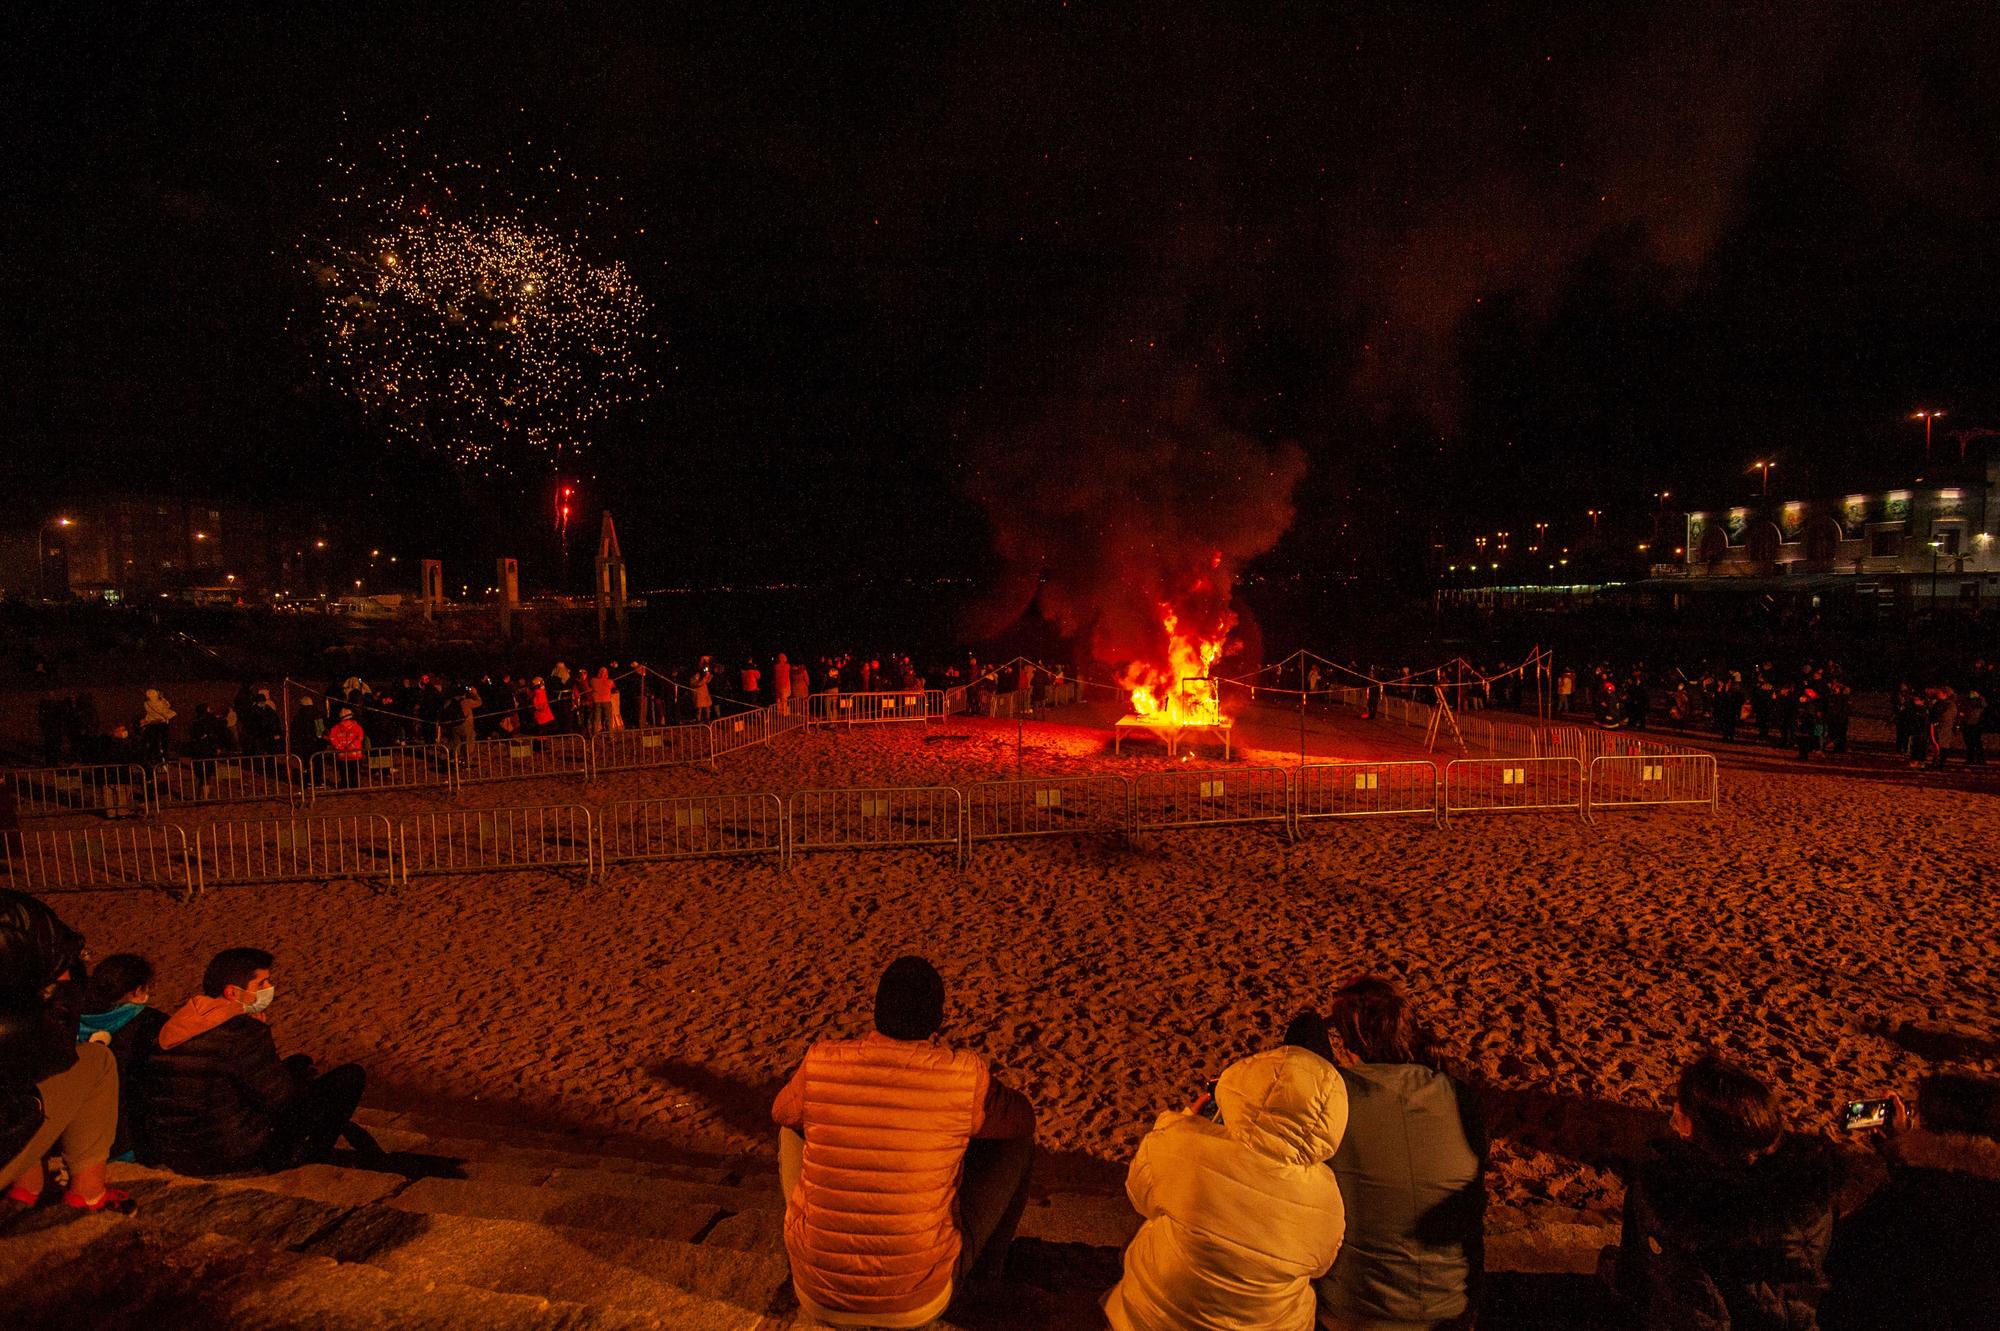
x=1943 y=722
x=220 y=1100
x=904 y=1163
x=1240 y=1215
x=1972 y=725
x=603 y=701
x=781 y=685
x=155 y=726
x=1728 y=1222
x=704 y=702
x=801 y=685
x=752 y=680
x=349 y=743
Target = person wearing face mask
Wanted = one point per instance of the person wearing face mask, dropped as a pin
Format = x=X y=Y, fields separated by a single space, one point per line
x=116 y=1015
x=220 y=1100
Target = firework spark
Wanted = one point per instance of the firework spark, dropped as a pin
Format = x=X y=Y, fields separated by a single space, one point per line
x=448 y=306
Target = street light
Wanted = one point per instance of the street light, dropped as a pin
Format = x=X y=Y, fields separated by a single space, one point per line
x=1937 y=548
x=1926 y=417
x=1663 y=496
x=1764 y=467
x=1595 y=514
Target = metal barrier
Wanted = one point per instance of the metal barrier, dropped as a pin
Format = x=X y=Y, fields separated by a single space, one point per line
x=690 y=826
x=553 y=836
x=150 y=855
x=391 y=767
x=523 y=758
x=1201 y=799
x=302 y=848
x=875 y=818
x=663 y=746
x=741 y=730
x=1366 y=790
x=854 y=709
x=1047 y=806
x=240 y=779
x=1651 y=779
x=1509 y=785
x=112 y=789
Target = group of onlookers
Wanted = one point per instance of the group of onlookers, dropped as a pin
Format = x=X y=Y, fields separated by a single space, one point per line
x=91 y=1071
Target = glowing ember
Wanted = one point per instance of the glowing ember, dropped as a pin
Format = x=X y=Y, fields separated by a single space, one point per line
x=1180 y=692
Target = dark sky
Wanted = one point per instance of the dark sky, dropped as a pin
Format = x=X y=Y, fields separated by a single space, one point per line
x=1482 y=271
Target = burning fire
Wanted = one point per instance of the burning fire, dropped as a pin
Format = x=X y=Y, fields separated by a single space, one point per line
x=1180 y=694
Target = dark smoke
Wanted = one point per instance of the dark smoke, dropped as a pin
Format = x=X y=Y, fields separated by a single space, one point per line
x=1107 y=511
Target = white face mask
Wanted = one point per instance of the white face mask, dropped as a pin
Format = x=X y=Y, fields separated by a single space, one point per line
x=262 y=999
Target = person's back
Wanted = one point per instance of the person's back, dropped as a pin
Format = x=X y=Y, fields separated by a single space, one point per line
x=888 y=1203
x=1240 y=1214
x=116 y=1014
x=215 y=1083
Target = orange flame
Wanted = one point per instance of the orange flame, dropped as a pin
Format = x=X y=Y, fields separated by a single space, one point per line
x=1180 y=694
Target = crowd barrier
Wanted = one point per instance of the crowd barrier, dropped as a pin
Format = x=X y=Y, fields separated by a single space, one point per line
x=1511 y=785
x=140 y=855
x=855 y=709
x=238 y=779
x=1366 y=790
x=303 y=848
x=391 y=767
x=745 y=729
x=1203 y=799
x=523 y=758
x=112 y=789
x=553 y=836
x=690 y=826
x=660 y=746
x=875 y=818
x=1047 y=806
x=1628 y=782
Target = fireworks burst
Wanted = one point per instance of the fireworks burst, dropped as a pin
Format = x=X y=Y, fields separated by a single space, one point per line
x=450 y=308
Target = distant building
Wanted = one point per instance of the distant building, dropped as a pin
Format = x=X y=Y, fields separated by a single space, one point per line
x=126 y=547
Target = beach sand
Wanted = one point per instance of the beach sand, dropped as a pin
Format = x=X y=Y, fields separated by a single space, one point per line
x=1833 y=933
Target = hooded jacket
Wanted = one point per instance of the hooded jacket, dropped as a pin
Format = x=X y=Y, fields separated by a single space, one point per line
x=215 y=1087
x=38 y=1011
x=158 y=710
x=872 y=1227
x=1713 y=1245
x=1240 y=1215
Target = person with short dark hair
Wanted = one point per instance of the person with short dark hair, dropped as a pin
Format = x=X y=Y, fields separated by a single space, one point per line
x=220 y=1100
x=904 y=1163
x=1411 y=1169
x=117 y=1014
x=1919 y=1252
x=1728 y=1222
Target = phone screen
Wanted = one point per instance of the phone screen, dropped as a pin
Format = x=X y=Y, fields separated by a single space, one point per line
x=1865 y=1114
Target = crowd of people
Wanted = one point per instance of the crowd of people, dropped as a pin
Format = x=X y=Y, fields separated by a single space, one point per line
x=1334 y=1180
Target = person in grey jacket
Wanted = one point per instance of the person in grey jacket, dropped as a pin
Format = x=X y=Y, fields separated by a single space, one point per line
x=1411 y=1170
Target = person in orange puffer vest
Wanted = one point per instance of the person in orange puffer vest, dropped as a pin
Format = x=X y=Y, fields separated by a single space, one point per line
x=904 y=1163
x=349 y=743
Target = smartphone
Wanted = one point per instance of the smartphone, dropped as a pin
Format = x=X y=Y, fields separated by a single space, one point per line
x=1863 y=1114
x=1206 y=1105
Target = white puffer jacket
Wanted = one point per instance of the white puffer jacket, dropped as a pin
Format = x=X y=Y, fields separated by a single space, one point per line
x=1241 y=1215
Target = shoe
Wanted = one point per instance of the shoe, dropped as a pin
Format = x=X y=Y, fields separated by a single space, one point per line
x=22 y=1197
x=111 y=1199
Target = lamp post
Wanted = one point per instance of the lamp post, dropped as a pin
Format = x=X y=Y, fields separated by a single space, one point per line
x=1937 y=548
x=1595 y=514
x=1926 y=416
x=1764 y=467
x=42 y=553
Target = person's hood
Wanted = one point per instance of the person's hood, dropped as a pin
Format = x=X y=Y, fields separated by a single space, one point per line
x=1767 y=1196
x=35 y=948
x=107 y=1024
x=200 y=1015
x=1284 y=1103
x=152 y=695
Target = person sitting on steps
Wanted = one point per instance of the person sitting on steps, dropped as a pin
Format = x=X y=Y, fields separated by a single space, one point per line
x=904 y=1163
x=117 y=1015
x=220 y=1100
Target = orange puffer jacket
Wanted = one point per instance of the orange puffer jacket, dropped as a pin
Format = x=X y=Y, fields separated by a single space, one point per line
x=872 y=1227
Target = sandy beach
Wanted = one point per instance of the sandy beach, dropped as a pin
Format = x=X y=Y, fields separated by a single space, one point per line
x=1832 y=931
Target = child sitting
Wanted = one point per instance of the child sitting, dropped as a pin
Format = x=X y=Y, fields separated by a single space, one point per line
x=115 y=1013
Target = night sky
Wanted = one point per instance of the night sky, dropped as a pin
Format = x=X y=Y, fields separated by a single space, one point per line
x=1480 y=272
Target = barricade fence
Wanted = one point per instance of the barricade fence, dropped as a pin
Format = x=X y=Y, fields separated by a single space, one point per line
x=391 y=767
x=1199 y=799
x=854 y=709
x=554 y=836
x=741 y=730
x=1652 y=779
x=875 y=818
x=523 y=758
x=302 y=848
x=116 y=790
x=690 y=826
x=1366 y=790
x=1047 y=806
x=1511 y=785
x=238 y=779
x=662 y=746
x=139 y=855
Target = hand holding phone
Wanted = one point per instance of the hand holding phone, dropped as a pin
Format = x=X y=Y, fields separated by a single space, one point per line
x=1864 y=1115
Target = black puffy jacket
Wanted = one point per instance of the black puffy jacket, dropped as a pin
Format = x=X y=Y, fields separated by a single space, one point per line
x=38 y=1011
x=212 y=1101
x=1712 y=1245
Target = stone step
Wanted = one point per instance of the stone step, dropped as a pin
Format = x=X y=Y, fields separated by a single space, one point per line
x=611 y=1150
x=679 y=1211
x=127 y=1275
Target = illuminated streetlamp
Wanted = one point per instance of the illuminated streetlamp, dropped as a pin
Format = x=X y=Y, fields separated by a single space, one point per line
x=1926 y=417
x=1764 y=467
x=1663 y=496
x=1595 y=514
